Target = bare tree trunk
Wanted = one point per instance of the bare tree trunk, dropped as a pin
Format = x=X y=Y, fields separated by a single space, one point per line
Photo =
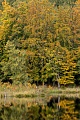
x=43 y=83
x=58 y=85
x=58 y=80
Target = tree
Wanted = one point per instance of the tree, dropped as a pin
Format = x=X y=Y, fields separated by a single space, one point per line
x=48 y=37
x=68 y=108
x=61 y=65
x=40 y=16
x=14 y=64
x=77 y=59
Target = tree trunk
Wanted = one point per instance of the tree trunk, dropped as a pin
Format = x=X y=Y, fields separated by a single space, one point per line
x=58 y=80
x=58 y=85
x=43 y=83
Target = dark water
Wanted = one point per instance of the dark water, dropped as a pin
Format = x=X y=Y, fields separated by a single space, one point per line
x=52 y=108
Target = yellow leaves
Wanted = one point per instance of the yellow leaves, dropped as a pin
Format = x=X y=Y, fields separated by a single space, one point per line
x=65 y=80
x=6 y=8
x=68 y=110
x=31 y=40
x=78 y=2
x=50 y=36
x=6 y=20
x=42 y=31
x=51 y=55
x=65 y=103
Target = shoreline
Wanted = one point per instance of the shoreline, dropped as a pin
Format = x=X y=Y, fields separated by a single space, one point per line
x=41 y=92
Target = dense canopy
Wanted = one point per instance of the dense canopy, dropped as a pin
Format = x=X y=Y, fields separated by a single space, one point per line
x=40 y=42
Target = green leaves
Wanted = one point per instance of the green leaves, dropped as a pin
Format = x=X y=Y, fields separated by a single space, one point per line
x=15 y=65
x=39 y=40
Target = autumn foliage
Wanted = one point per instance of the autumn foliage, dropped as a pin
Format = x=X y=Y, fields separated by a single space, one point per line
x=40 y=42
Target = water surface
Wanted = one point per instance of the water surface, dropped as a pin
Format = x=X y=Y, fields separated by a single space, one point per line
x=51 y=108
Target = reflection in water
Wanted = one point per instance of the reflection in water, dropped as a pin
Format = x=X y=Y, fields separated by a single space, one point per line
x=57 y=108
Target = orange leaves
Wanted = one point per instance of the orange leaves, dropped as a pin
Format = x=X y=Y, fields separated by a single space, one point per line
x=39 y=17
x=47 y=33
x=30 y=53
x=78 y=2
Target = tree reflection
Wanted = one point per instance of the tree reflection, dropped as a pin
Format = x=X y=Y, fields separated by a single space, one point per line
x=77 y=107
x=67 y=110
x=56 y=109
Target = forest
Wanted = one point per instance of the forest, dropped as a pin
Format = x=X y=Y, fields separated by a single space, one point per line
x=40 y=42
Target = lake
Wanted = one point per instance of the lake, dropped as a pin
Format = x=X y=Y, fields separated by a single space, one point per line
x=50 y=108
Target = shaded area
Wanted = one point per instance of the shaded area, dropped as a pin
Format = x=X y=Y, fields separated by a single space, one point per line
x=54 y=108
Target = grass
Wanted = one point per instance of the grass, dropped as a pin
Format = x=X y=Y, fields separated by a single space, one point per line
x=26 y=91
x=25 y=95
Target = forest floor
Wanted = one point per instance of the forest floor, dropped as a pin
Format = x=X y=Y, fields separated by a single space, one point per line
x=20 y=91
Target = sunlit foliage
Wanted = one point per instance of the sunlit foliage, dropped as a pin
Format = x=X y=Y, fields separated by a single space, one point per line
x=40 y=41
